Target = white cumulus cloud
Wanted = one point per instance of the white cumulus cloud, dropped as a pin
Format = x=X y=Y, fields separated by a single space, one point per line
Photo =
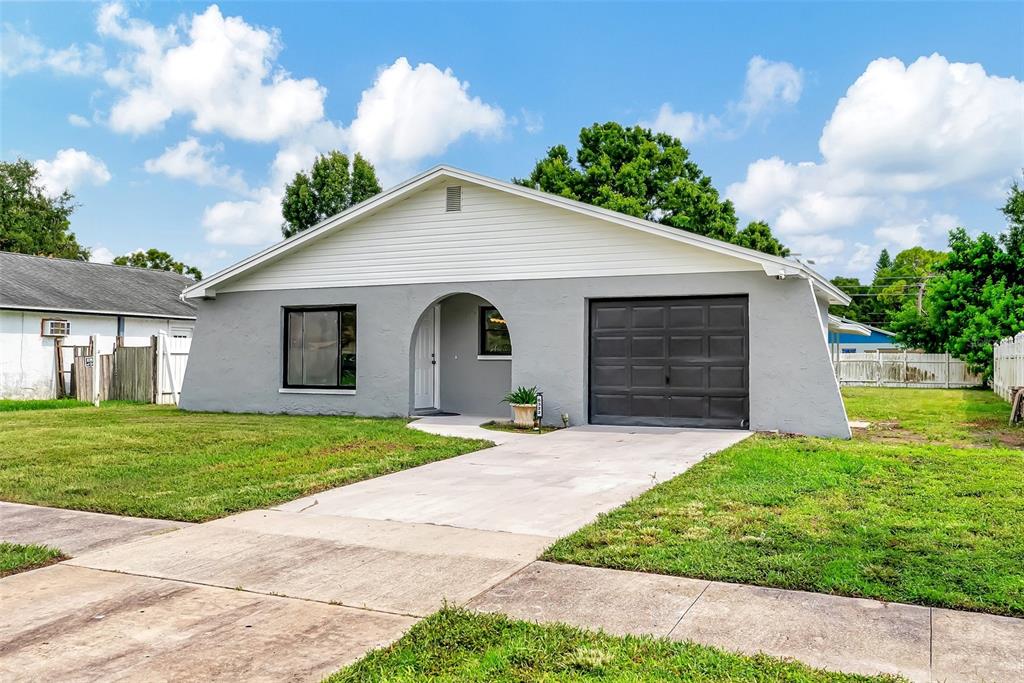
x=685 y=125
x=248 y=222
x=410 y=113
x=219 y=71
x=100 y=254
x=899 y=131
x=70 y=169
x=78 y=121
x=768 y=87
x=191 y=160
x=407 y=115
x=23 y=52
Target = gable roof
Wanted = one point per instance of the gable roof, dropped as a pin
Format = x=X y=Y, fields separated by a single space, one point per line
x=38 y=283
x=772 y=265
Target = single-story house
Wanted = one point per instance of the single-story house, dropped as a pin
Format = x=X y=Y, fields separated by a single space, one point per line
x=50 y=302
x=449 y=289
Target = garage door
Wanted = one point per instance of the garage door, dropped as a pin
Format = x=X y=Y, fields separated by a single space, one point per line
x=670 y=362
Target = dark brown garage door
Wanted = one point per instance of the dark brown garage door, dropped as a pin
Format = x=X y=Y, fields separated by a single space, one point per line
x=670 y=362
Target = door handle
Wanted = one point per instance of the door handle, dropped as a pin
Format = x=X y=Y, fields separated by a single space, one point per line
x=667 y=380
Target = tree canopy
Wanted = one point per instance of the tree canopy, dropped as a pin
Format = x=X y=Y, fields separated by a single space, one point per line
x=31 y=221
x=897 y=282
x=154 y=259
x=648 y=175
x=332 y=186
x=977 y=295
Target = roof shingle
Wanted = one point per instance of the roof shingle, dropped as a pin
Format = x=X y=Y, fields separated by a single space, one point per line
x=50 y=284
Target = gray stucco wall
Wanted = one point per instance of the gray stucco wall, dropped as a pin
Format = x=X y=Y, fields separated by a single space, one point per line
x=469 y=385
x=235 y=361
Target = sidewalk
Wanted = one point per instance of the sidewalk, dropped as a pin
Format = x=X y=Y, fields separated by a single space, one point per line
x=842 y=634
x=75 y=532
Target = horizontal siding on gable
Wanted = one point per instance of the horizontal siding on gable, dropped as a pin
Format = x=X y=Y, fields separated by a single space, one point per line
x=496 y=236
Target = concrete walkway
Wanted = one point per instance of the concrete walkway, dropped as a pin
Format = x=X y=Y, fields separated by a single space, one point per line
x=535 y=484
x=826 y=631
x=74 y=532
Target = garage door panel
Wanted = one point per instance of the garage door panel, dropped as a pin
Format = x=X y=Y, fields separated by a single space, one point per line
x=610 y=347
x=611 y=318
x=648 y=346
x=688 y=407
x=687 y=377
x=647 y=377
x=686 y=347
x=728 y=316
x=648 y=405
x=722 y=346
x=651 y=317
x=670 y=362
x=686 y=316
x=727 y=407
x=609 y=376
x=722 y=377
x=610 y=404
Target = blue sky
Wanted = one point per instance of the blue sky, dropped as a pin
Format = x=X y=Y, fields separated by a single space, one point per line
x=848 y=127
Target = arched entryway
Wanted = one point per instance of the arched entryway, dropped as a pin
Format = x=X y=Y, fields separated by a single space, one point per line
x=461 y=358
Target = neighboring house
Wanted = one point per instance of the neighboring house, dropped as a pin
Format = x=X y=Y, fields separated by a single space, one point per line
x=864 y=338
x=449 y=289
x=47 y=301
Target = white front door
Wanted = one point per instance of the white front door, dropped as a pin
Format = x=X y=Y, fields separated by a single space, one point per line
x=425 y=373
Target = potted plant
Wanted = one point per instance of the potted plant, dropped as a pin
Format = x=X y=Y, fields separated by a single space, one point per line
x=523 y=401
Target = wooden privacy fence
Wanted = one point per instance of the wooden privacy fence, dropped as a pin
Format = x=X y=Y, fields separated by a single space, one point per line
x=903 y=369
x=1008 y=365
x=150 y=374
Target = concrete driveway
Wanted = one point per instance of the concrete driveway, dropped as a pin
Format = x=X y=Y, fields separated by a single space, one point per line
x=295 y=592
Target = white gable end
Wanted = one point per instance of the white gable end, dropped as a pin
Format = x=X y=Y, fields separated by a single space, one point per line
x=495 y=236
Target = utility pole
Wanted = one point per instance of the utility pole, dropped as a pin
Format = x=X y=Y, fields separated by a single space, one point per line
x=920 y=297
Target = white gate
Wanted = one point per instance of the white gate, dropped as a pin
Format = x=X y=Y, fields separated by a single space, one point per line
x=171 y=357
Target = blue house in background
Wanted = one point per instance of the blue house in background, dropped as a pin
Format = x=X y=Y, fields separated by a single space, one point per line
x=849 y=336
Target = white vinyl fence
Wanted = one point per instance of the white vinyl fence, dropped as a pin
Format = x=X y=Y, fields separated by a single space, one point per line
x=172 y=357
x=1008 y=366
x=903 y=369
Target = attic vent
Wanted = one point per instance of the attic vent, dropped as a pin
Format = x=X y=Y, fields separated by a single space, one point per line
x=453 y=198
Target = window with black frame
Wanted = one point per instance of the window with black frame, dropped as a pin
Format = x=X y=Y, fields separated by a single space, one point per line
x=494 y=338
x=320 y=348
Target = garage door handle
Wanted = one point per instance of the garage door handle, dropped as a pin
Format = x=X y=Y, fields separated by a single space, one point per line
x=666 y=380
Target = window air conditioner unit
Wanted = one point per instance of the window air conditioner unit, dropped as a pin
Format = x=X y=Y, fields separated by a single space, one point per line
x=56 y=328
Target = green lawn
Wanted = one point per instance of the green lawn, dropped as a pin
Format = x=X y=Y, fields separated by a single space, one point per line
x=926 y=506
x=157 y=461
x=455 y=645
x=16 y=558
x=12 y=404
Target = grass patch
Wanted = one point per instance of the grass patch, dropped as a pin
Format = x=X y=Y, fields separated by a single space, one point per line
x=511 y=427
x=12 y=404
x=157 y=461
x=15 y=557
x=456 y=645
x=934 y=517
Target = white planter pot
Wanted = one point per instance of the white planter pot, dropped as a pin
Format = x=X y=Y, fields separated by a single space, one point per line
x=523 y=414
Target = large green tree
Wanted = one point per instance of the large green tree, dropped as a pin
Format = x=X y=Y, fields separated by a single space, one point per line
x=31 y=221
x=332 y=186
x=154 y=259
x=897 y=282
x=977 y=295
x=648 y=175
